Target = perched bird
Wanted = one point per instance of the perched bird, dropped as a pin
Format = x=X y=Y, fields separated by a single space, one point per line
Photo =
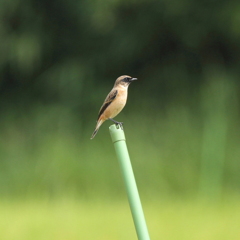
x=114 y=102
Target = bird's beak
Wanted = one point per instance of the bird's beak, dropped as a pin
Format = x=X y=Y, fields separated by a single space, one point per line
x=133 y=79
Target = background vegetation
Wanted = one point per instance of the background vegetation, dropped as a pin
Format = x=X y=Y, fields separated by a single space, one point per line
x=59 y=59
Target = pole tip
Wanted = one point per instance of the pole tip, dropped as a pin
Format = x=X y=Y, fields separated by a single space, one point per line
x=116 y=133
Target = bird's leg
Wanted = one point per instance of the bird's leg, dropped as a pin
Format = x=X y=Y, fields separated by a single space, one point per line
x=117 y=123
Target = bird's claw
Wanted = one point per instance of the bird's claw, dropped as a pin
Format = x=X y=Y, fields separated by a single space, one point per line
x=119 y=124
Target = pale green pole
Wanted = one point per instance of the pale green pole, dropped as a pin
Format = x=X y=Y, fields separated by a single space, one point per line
x=120 y=146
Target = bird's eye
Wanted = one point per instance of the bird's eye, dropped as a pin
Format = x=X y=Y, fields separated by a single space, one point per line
x=126 y=79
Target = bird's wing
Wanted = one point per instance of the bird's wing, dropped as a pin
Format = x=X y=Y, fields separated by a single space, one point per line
x=109 y=99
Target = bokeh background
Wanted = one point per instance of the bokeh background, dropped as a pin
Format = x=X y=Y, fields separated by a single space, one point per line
x=58 y=61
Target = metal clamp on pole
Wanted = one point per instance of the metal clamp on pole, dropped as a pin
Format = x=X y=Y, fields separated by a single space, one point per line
x=120 y=146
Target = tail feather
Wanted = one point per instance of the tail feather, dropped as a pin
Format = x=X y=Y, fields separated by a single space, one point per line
x=99 y=123
x=94 y=133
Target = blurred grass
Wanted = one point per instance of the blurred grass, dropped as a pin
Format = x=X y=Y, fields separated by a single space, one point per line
x=49 y=152
x=68 y=218
x=58 y=61
x=56 y=183
x=186 y=147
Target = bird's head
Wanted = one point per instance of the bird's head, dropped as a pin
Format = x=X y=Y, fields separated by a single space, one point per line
x=124 y=80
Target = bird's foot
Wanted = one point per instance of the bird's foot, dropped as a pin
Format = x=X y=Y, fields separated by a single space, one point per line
x=117 y=123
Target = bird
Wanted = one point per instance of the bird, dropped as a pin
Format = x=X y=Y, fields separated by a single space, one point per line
x=114 y=102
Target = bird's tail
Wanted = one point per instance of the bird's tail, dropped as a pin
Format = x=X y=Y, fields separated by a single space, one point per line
x=99 y=123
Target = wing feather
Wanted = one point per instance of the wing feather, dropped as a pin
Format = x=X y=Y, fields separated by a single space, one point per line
x=109 y=99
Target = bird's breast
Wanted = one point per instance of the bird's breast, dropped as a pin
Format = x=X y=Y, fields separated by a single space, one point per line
x=117 y=105
x=122 y=97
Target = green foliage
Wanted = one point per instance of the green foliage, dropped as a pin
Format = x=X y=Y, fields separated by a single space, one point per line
x=59 y=59
x=167 y=43
x=177 y=152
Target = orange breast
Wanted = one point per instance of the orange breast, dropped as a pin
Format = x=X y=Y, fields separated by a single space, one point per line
x=117 y=105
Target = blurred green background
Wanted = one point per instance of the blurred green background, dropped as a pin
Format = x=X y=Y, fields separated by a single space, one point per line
x=58 y=61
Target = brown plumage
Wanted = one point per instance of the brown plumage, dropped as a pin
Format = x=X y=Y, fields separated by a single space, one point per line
x=114 y=102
